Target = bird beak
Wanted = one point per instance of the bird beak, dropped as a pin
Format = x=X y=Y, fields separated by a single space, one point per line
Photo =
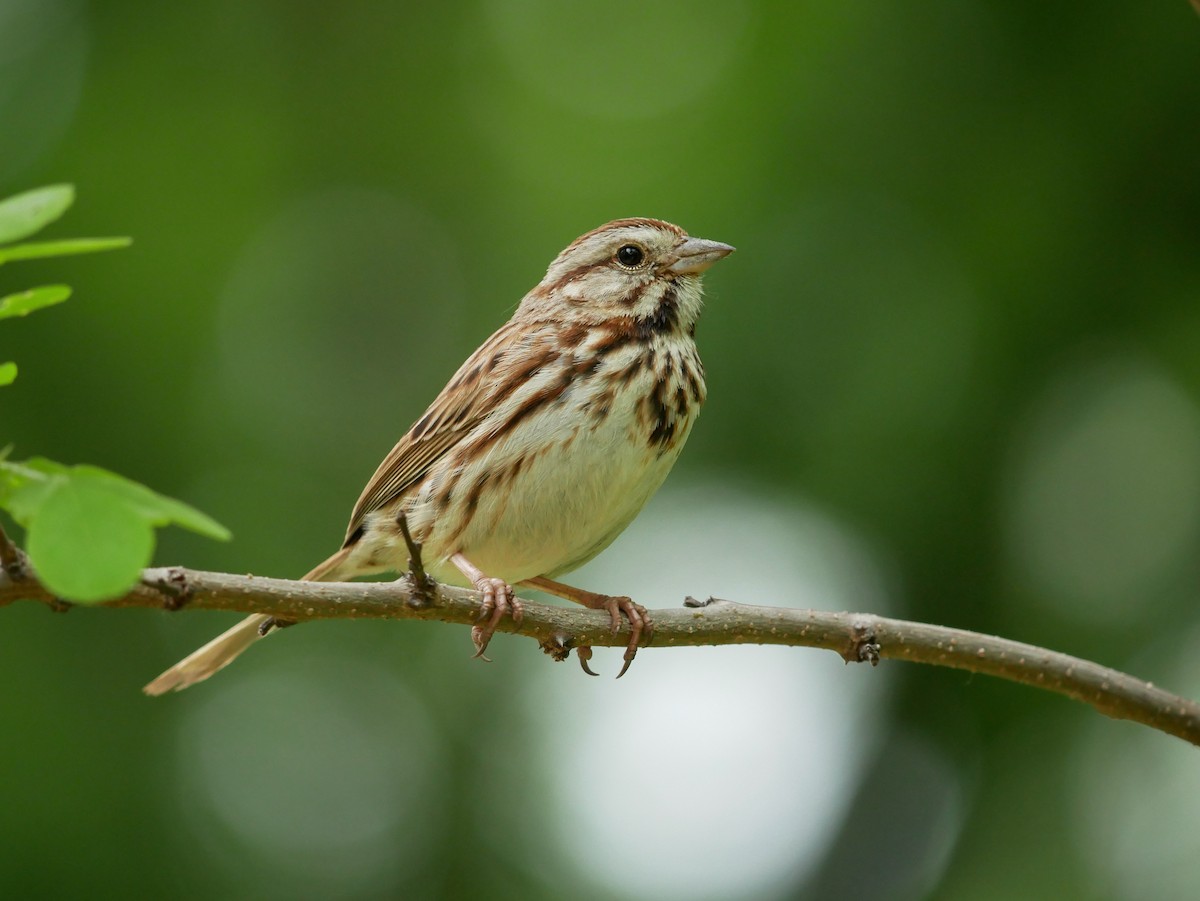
x=695 y=255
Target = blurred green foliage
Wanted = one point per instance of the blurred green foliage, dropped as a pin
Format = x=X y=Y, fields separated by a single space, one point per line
x=961 y=331
x=90 y=532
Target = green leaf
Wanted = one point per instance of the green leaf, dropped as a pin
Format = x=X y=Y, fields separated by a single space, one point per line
x=24 y=214
x=60 y=248
x=75 y=518
x=26 y=302
x=25 y=490
x=86 y=543
x=8 y=372
x=157 y=508
x=39 y=465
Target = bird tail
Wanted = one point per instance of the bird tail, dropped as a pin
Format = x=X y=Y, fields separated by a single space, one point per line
x=222 y=650
x=330 y=570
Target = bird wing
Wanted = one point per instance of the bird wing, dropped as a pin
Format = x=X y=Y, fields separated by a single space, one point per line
x=481 y=383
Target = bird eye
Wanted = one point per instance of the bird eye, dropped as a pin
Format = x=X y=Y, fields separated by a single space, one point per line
x=630 y=256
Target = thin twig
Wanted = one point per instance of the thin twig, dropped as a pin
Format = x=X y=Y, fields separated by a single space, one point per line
x=424 y=588
x=856 y=637
x=12 y=559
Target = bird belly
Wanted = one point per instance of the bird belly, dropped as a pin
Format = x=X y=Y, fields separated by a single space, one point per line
x=555 y=494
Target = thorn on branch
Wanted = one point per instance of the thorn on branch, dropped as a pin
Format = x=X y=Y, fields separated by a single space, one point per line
x=558 y=646
x=174 y=587
x=424 y=589
x=864 y=648
x=274 y=622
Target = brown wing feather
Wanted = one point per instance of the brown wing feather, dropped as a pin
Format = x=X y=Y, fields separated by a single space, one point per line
x=465 y=402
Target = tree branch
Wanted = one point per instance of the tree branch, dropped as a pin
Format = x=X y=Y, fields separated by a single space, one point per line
x=12 y=559
x=855 y=637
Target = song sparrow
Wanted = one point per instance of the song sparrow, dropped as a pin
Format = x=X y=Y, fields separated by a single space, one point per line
x=545 y=444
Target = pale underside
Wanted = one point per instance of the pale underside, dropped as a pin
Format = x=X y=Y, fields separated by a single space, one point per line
x=583 y=480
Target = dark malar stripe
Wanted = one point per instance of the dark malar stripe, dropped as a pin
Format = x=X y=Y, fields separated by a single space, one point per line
x=665 y=317
x=658 y=414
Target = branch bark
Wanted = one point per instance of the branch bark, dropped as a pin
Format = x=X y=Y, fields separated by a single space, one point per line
x=856 y=637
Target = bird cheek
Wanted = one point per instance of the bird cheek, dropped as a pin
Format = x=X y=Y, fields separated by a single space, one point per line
x=575 y=291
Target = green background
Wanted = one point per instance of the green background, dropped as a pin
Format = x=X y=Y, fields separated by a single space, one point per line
x=954 y=375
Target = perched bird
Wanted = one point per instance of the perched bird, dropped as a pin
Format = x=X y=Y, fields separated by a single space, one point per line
x=544 y=445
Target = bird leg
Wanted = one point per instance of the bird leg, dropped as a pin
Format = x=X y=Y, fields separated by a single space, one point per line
x=498 y=599
x=639 y=618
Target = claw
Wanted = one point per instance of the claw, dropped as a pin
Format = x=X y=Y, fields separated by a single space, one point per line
x=584 y=653
x=630 y=653
x=481 y=643
x=639 y=621
x=497 y=600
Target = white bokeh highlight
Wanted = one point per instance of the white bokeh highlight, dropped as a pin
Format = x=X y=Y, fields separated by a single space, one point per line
x=710 y=772
x=1135 y=793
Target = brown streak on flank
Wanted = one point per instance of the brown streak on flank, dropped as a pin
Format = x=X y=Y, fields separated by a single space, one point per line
x=446 y=490
x=529 y=407
x=566 y=381
x=681 y=401
x=625 y=376
x=664 y=431
x=521 y=375
x=472 y=503
x=601 y=405
x=582 y=366
x=660 y=414
x=476 y=491
x=573 y=335
x=510 y=474
x=693 y=384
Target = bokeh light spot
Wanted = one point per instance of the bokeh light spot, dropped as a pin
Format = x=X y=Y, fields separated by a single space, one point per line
x=625 y=60
x=346 y=281
x=332 y=767
x=1135 y=792
x=43 y=54
x=713 y=772
x=1104 y=500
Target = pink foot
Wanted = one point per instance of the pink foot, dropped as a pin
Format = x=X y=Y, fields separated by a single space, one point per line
x=498 y=601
